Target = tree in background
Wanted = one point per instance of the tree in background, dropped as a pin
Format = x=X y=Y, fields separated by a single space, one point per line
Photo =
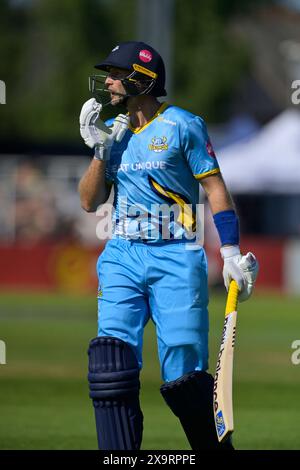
x=208 y=62
x=48 y=49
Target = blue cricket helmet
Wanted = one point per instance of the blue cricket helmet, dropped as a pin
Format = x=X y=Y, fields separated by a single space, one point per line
x=143 y=63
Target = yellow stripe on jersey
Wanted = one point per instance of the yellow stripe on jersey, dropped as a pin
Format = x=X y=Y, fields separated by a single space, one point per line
x=186 y=216
x=160 y=110
x=207 y=173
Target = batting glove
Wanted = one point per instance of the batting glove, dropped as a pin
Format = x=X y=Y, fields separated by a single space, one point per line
x=242 y=269
x=96 y=134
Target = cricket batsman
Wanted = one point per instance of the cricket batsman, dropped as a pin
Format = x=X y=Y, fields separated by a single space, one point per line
x=154 y=157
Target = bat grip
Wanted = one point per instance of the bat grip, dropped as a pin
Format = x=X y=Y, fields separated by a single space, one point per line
x=232 y=298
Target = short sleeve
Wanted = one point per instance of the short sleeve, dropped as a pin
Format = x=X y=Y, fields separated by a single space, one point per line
x=198 y=149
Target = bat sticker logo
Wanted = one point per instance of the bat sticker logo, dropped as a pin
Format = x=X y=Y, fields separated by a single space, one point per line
x=233 y=338
x=220 y=423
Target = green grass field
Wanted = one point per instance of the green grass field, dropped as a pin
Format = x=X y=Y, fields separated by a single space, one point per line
x=44 y=400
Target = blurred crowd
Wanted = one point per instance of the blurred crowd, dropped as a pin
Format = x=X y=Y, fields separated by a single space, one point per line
x=40 y=203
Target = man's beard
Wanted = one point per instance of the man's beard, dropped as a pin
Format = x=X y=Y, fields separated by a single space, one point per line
x=117 y=98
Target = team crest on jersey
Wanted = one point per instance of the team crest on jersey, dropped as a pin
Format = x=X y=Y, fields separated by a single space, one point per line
x=158 y=144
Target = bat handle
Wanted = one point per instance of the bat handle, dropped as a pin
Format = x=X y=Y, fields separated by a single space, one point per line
x=232 y=298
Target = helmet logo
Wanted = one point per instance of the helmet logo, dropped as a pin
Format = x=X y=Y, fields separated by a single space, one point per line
x=115 y=48
x=145 y=55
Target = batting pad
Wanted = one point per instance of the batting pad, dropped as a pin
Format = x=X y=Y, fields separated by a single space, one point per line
x=114 y=388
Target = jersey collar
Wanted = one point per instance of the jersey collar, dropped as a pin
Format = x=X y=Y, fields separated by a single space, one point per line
x=160 y=110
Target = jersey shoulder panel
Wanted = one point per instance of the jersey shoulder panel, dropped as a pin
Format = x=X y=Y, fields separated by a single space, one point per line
x=182 y=116
x=194 y=141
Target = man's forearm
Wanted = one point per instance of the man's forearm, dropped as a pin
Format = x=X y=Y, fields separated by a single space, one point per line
x=93 y=189
x=223 y=210
x=220 y=201
x=218 y=196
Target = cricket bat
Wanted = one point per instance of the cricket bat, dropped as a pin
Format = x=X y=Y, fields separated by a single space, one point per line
x=223 y=410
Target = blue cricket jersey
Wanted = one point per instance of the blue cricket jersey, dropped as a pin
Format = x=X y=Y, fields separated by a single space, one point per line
x=155 y=171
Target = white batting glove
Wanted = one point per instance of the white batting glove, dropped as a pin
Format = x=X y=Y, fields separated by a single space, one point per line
x=242 y=269
x=96 y=134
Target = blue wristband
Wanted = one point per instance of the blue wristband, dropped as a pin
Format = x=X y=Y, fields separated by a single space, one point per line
x=227 y=224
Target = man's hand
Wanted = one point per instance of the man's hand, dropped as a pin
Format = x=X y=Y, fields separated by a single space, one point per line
x=242 y=269
x=96 y=134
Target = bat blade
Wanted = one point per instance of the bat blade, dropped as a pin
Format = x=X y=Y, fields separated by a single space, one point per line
x=223 y=407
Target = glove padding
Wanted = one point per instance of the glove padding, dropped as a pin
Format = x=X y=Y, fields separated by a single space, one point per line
x=96 y=133
x=242 y=269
